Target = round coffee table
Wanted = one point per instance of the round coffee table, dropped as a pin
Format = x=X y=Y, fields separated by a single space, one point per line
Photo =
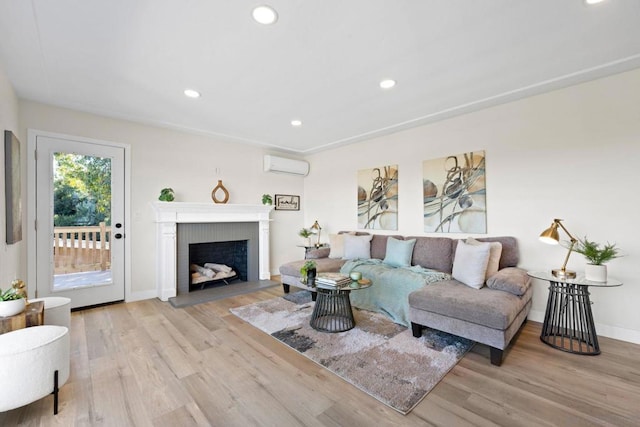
x=332 y=312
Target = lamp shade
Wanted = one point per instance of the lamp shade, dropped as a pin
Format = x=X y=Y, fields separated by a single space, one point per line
x=550 y=235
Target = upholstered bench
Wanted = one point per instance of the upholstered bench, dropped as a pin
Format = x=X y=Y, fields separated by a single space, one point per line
x=491 y=315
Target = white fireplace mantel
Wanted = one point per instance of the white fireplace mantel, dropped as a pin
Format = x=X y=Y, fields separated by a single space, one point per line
x=169 y=214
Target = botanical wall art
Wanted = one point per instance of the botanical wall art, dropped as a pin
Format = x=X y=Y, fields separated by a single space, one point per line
x=378 y=198
x=455 y=194
x=12 y=187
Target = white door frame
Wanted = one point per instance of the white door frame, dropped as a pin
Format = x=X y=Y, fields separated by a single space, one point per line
x=32 y=135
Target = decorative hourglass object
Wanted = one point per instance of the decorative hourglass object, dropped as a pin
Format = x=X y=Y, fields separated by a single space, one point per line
x=216 y=190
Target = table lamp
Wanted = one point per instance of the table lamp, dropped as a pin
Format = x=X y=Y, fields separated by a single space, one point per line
x=315 y=229
x=550 y=236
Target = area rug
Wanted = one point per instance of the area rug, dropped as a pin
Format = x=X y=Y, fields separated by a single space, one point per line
x=378 y=356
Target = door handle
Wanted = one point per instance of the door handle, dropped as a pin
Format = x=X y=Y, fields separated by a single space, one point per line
x=118 y=236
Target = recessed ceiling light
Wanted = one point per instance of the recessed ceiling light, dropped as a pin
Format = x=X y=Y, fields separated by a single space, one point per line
x=387 y=83
x=265 y=15
x=296 y=123
x=192 y=93
x=593 y=1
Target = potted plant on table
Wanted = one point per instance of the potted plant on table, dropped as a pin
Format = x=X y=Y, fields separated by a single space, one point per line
x=595 y=270
x=305 y=233
x=308 y=273
x=12 y=300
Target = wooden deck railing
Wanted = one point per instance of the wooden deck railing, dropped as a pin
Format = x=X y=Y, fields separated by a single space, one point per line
x=77 y=249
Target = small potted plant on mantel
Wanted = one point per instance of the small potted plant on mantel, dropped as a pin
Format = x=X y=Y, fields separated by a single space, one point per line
x=595 y=270
x=12 y=301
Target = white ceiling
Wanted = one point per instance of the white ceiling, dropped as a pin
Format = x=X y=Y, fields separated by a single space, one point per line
x=320 y=63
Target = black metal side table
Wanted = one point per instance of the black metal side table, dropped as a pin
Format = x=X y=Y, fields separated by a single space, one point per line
x=568 y=320
x=332 y=312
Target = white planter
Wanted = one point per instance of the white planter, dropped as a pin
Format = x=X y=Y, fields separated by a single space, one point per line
x=11 y=308
x=595 y=273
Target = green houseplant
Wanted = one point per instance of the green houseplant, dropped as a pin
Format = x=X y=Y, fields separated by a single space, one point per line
x=12 y=301
x=305 y=233
x=166 y=195
x=597 y=255
x=266 y=199
x=308 y=273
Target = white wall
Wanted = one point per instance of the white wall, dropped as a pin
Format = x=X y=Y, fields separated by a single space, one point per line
x=11 y=256
x=570 y=154
x=185 y=162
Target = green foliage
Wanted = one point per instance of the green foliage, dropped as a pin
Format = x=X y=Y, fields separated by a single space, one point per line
x=166 y=195
x=594 y=253
x=81 y=189
x=305 y=233
x=304 y=270
x=266 y=199
x=9 y=295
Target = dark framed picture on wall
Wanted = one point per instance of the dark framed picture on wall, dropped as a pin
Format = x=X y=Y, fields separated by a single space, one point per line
x=287 y=202
x=12 y=187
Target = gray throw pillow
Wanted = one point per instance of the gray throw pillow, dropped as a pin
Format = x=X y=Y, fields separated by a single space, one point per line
x=511 y=279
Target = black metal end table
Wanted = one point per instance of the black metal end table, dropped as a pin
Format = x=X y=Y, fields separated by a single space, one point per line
x=568 y=320
x=332 y=312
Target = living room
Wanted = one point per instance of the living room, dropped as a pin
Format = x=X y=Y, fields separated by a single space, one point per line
x=567 y=153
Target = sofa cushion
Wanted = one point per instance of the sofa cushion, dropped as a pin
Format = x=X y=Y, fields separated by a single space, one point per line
x=336 y=246
x=433 y=252
x=357 y=247
x=487 y=307
x=399 y=252
x=510 y=256
x=511 y=279
x=494 y=256
x=379 y=245
x=318 y=253
x=470 y=264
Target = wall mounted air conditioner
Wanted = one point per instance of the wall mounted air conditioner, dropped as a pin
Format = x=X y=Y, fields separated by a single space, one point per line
x=283 y=165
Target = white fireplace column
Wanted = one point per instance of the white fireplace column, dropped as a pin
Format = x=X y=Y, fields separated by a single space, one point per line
x=169 y=214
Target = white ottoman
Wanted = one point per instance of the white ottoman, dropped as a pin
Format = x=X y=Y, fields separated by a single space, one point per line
x=57 y=310
x=34 y=363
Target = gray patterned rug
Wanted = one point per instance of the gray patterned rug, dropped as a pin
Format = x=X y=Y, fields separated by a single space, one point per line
x=378 y=356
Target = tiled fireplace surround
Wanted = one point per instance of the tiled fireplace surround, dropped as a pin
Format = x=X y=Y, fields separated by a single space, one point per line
x=170 y=214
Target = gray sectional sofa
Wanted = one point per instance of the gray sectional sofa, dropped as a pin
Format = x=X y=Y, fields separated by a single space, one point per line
x=414 y=296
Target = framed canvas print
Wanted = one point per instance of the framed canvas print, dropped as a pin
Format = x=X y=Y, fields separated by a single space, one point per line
x=378 y=198
x=13 y=199
x=455 y=194
x=287 y=202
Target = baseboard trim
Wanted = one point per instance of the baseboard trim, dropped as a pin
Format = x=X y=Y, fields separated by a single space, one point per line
x=622 y=334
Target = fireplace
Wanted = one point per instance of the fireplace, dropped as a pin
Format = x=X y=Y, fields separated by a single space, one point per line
x=230 y=243
x=180 y=224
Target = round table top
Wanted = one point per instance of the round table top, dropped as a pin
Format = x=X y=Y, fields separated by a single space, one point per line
x=579 y=280
x=353 y=286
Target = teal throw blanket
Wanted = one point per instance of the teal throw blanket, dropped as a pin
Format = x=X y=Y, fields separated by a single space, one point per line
x=391 y=286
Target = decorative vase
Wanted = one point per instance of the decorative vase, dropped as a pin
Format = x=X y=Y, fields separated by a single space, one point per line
x=12 y=307
x=311 y=277
x=595 y=273
x=216 y=189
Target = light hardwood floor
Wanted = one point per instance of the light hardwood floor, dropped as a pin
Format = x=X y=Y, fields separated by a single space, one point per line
x=148 y=364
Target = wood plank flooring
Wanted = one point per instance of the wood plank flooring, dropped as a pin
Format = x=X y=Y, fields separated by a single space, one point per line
x=149 y=364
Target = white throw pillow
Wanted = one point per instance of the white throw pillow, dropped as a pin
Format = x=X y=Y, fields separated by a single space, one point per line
x=357 y=247
x=336 y=246
x=494 y=256
x=470 y=264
